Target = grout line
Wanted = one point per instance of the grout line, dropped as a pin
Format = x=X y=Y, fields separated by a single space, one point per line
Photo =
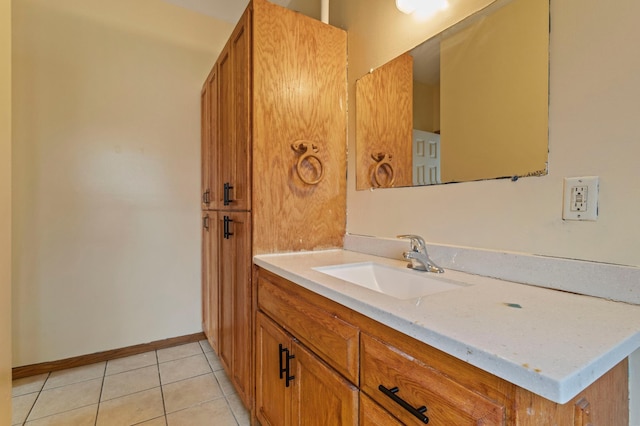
x=164 y=407
x=104 y=375
x=24 y=422
x=157 y=364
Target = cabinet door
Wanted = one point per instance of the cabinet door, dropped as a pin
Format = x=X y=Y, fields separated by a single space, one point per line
x=234 y=114
x=273 y=397
x=210 y=324
x=320 y=395
x=234 y=254
x=205 y=146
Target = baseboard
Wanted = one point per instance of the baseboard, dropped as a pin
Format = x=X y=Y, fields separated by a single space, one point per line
x=78 y=361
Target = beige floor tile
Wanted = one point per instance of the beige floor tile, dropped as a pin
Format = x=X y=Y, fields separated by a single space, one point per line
x=74 y=375
x=21 y=405
x=85 y=416
x=238 y=410
x=158 y=421
x=131 y=409
x=184 y=368
x=132 y=362
x=177 y=352
x=129 y=382
x=214 y=361
x=65 y=398
x=206 y=347
x=189 y=392
x=225 y=383
x=28 y=384
x=204 y=415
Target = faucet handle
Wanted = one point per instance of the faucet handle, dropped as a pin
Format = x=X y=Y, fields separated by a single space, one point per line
x=417 y=242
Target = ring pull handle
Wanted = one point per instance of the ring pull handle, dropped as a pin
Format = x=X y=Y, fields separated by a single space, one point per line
x=383 y=163
x=417 y=412
x=308 y=151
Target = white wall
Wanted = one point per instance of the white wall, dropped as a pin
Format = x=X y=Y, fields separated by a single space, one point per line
x=106 y=141
x=5 y=212
x=594 y=109
x=594 y=87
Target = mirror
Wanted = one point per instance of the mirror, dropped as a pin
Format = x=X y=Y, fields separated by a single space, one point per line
x=469 y=104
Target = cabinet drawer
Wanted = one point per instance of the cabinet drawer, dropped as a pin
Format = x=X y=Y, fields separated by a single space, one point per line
x=447 y=402
x=333 y=339
x=371 y=414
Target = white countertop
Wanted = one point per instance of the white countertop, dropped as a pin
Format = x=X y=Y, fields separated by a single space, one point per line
x=555 y=345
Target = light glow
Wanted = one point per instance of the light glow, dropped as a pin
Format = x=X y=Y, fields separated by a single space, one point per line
x=421 y=8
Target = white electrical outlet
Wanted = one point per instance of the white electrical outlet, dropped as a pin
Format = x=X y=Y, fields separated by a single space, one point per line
x=580 y=198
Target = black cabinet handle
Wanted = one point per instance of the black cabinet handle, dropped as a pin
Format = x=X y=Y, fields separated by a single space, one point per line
x=205 y=222
x=288 y=368
x=226 y=233
x=282 y=369
x=205 y=197
x=417 y=412
x=227 y=199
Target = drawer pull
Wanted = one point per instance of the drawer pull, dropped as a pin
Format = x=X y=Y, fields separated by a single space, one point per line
x=226 y=197
x=417 y=412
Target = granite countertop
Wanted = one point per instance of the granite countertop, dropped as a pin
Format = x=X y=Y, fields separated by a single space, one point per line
x=549 y=342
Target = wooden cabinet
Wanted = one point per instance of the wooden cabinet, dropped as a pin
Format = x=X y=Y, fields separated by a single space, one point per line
x=279 y=81
x=371 y=414
x=294 y=386
x=415 y=392
x=209 y=138
x=452 y=391
x=210 y=293
x=234 y=116
x=234 y=307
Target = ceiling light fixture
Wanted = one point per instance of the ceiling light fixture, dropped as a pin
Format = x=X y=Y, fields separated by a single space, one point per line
x=421 y=8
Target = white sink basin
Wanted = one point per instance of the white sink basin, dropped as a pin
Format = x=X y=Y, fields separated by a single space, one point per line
x=395 y=282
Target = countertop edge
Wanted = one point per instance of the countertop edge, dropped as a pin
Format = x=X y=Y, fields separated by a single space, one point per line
x=559 y=391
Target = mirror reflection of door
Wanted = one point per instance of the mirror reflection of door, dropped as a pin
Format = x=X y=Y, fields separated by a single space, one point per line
x=426 y=158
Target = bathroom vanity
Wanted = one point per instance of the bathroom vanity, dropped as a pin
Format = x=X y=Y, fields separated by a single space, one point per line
x=489 y=352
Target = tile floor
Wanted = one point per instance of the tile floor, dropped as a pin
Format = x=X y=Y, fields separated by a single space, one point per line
x=182 y=385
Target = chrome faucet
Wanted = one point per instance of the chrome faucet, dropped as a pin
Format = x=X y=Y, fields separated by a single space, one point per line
x=418 y=256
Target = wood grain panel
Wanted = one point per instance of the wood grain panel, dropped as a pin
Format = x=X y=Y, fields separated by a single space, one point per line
x=384 y=123
x=213 y=135
x=273 y=398
x=79 y=361
x=235 y=342
x=605 y=402
x=447 y=401
x=299 y=93
x=205 y=144
x=371 y=414
x=321 y=396
x=326 y=334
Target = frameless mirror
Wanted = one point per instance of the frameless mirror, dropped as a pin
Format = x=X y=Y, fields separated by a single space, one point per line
x=469 y=104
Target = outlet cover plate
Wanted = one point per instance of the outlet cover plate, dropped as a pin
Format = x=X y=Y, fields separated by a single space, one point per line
x=580 y=200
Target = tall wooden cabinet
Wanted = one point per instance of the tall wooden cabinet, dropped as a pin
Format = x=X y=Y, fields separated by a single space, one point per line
x=273 y=164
